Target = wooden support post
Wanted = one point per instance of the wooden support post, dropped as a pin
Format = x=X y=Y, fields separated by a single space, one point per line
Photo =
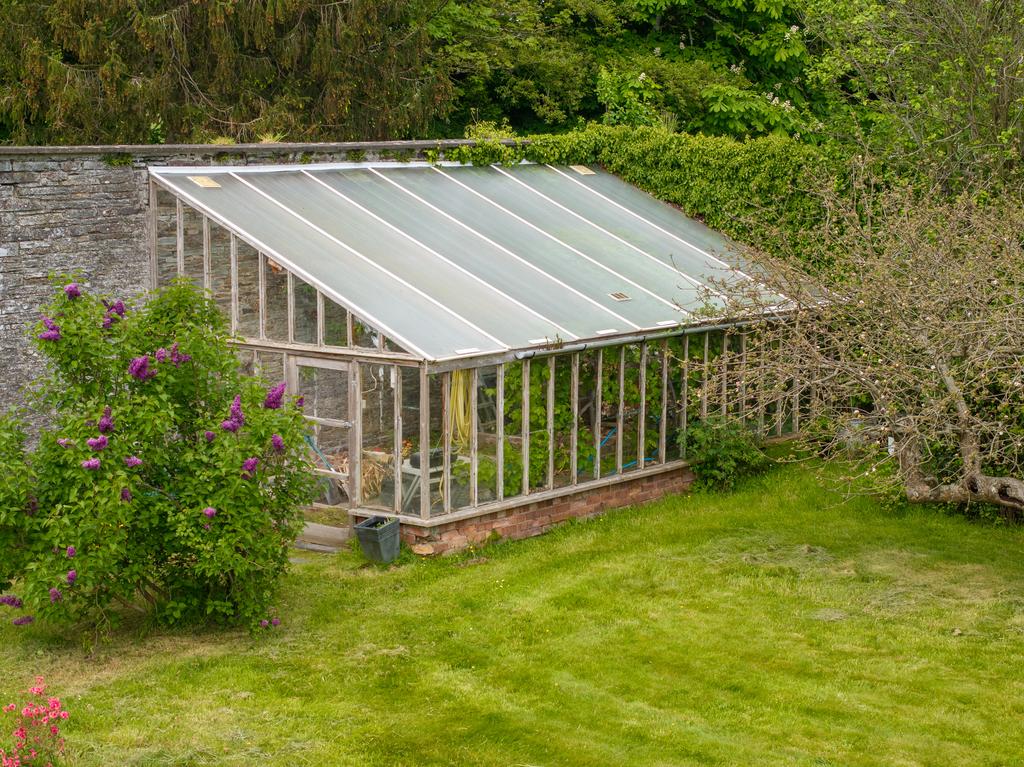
x=446 y=410
x=663 y=421
x=641 y=430
x=574 y=385
x=598 y=425
x=474 y=440
x=525 y=447
x=550 y=424
x=154 y=224
x=685 y=394
x=180 y=236
x=207 y=277
x=743 y=378
x=349 y=339
x=320 y=319
x=355 y=446
x=424 y=442
x=725 y=373
x=291 y=308
x=233 y=248
x=263 y=296
x=397 y=456
x=620 y=414
x=705 y=382
x=499 y=451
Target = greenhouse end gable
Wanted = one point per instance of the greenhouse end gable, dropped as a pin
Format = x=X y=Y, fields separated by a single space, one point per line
x=467 y=339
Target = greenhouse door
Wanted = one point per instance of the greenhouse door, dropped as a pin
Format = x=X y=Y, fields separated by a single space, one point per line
x=329 y=392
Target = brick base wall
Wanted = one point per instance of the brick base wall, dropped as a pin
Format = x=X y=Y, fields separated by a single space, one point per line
x=535 y=518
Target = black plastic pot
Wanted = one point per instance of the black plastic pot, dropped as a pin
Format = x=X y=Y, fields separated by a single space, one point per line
x=378 y=538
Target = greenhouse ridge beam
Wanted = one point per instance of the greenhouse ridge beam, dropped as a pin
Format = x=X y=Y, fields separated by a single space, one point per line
x=462 y=262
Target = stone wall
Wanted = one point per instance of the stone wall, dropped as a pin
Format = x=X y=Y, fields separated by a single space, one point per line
x=536 y=518
x=85 y=209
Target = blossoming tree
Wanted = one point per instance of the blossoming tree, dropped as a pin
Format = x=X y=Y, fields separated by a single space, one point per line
x=167 y=482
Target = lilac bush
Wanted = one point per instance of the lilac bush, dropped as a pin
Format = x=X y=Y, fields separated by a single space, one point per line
x=173 y=482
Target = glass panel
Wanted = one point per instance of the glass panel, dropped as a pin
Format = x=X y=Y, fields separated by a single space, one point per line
x=325 y=391
x=585 y=450
x=436 y=453
x=391 y=346
x=328 y=452
x=652 y=425
x=335 y=324
x=246 y=361
x=220 y=267
x=609 y=410
x=461 y=424
x=563 y=420
x=248 y=290
x=305 y=311
x=631 y=409
x=275 y=320
x=363 y=335
x=270 y=365
x=538 y=423
x=378 y=404
x=166 y=236
x=410 y=440
x=513 y=415
x=487 y=434
x=675 y=397
x=192 y=233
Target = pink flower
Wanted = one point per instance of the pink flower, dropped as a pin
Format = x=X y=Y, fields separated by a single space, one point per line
x=210 y=512
x=72 y=290
x=277 y=442
x=71 y=552
x=97 y=443
x=274 y=395
x=9 y=708
x=72 y=576
x=132 y=461
x=126 y=494
x=55 y=596
x=249 y=466
x=64 y=442
x=92 y=464
x=160 y=354
x=264 y=623
x=106 y=424
x=209 y=435
x=275 y=621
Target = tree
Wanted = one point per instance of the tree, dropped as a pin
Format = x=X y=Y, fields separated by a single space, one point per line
x=907 y=335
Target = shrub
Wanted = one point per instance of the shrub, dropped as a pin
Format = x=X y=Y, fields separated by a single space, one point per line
x=722 y=452
x=168 y=482
x=36 y=730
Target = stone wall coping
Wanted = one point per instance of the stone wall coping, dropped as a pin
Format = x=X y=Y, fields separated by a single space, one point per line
x=161 y=150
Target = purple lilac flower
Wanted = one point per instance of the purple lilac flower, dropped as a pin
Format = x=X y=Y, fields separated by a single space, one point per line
x=300 y=402
x=139 y=368
x=11 y=601
x=249 y=465
x=72 y=290
x=209 y=435
x=236 y=410
x=210 y=512
x=277 y=442
x=275 y=621
x=55 y=595
x=206 y=526
x=106 y=424
x=126 y=494
x=177 y=357
x=160 y=354
x=72 y=576
x=64 y=442
x=71 y=552
x=49 y=335
x=50 y=324
x=274 y=395
x=229 y=425
x=92 y=464
x=24 y=620
x=132 y=460
x=264 y=623
x=118 y=308
x=107 y=322
x=97 y=443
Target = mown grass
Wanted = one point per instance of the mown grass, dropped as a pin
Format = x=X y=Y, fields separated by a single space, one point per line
x=778 y=625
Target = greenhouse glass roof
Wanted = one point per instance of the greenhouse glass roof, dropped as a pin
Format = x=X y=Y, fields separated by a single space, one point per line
x=458 y=261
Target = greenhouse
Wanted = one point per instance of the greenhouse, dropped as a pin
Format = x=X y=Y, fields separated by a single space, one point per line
x=468 y=339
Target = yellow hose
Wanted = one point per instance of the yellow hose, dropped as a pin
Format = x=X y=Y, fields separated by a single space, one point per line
x=460 y=416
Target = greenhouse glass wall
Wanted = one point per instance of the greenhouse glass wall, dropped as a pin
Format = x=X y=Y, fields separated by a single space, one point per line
x=468 y=339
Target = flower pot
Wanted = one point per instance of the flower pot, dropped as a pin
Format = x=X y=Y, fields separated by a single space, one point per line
x=378 y=538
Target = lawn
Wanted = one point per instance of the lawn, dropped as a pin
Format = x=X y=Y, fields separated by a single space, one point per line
x=778 y=625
